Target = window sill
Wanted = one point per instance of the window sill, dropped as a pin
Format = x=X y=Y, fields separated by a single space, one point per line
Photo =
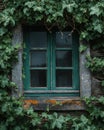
x=57 y=104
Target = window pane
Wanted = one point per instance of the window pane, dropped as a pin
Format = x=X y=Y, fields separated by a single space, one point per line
x=38 y=39
x=63 y=78
x=63 y=58
x=38 y=78
x=63 y=39
x=38 y=59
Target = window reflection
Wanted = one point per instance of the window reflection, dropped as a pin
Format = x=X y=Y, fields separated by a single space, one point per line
x=63 y=78
x=38 y=78
x=38 y=59
x=63 y=58
x=38 y=39
x=63 y=39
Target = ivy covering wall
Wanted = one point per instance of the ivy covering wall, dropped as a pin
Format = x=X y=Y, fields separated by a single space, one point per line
x=84 y=16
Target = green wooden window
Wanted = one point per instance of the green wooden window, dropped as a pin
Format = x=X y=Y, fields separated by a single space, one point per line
x=51 y=63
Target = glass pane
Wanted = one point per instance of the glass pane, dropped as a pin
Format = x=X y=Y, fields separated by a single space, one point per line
x=63 y=39
x=63 y=78
x=38 y=59
x=38 y=39
x=63 y=58
x=38 y=78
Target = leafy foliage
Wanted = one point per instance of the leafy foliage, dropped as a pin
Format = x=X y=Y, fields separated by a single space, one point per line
x=82 y=48
x=96 y=64
x=84 y=16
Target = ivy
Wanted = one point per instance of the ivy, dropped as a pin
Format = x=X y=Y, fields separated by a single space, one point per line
x=95 y=64
x=82 y=48
x=84 y=16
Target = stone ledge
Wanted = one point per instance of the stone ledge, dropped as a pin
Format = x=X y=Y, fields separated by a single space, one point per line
x=55 y=104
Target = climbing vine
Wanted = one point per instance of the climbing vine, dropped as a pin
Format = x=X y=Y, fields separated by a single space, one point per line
x=84 y=16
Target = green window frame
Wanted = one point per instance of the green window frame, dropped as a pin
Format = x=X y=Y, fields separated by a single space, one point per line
x=49 y=54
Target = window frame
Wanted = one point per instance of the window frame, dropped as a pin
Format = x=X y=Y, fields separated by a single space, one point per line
x=65 y=91
x=17 y=78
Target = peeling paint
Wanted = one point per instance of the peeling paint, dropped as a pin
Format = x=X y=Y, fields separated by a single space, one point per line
x=28 y=103
x=52 y=101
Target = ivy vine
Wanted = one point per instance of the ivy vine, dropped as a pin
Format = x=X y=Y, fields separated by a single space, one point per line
x=84 y=16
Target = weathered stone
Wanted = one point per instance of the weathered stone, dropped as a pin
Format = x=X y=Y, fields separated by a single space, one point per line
x=97 y=89
x=17 y=68
x=73 y=105
x=85 y=76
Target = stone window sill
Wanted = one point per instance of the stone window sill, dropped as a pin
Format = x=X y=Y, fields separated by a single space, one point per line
x=56 y=104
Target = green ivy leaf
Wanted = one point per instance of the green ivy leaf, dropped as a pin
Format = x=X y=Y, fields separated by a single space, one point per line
x=3 y=31
x=3 y=127
x=82 y=48
x=95 y=11
x=17 y=128
x=30 y=4
x=98 y=28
